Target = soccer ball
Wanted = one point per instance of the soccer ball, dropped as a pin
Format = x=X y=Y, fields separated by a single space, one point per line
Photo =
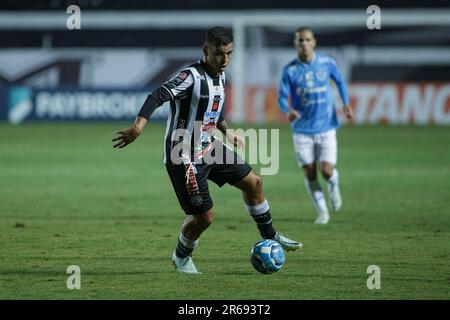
x=267 y=256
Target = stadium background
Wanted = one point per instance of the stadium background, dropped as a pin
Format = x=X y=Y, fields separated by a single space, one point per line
x=64 y=92
x=398 y=74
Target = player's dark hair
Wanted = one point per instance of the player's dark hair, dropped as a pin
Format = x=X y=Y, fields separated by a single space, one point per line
x=219 y=36
x=304 y=28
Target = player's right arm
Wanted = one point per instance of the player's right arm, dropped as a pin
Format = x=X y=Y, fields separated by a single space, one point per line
x=284 y=90
x=128 y=135
x=174 y=88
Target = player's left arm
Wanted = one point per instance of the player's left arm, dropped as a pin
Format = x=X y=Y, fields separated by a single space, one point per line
x=284 y=90
x=342 y=87
x=174 y=88
x=232 y=137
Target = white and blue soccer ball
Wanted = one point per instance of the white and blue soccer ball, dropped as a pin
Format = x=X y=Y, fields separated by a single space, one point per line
x=267 y=256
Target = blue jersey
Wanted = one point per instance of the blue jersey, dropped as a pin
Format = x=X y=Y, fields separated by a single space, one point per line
x=308 y=87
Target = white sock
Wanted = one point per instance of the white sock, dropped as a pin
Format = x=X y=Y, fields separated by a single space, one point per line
x=333 y=182
x=185 y=246
x=316 y=194
x=188 y=243
x=258 y=209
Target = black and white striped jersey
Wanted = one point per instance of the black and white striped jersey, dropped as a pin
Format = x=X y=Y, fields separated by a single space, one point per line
x=196 y=101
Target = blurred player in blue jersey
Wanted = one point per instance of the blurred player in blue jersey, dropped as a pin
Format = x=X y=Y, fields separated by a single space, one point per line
x=306 y=97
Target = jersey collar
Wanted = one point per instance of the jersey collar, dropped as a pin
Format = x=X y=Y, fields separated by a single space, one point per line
x=306 y=64
x=212 y=76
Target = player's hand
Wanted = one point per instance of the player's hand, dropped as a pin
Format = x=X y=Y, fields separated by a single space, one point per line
x=126 y=136
x=348 y=112
x=293 y=115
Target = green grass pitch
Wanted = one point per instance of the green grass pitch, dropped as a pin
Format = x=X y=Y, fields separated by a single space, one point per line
x=68 y=198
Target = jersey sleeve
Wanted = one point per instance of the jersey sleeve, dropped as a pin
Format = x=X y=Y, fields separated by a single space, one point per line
x=221 y=117
x=283 y=91
x=340 y=83
x=177 y=87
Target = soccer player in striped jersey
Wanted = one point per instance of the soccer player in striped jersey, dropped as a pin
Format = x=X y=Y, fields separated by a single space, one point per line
x=306 y=84
x=196 y=98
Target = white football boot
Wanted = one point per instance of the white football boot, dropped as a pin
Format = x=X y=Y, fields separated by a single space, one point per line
x=322 y=218
x=323 y=215
x=184 y=265
x=286 y=243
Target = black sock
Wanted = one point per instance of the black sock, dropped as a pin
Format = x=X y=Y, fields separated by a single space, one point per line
x=264 y=223
x=183 y=251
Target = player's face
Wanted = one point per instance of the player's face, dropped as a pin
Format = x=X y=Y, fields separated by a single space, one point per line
x=304 y=42
x=218 y=58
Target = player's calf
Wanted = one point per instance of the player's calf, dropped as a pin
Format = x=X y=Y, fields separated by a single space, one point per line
x=334 y=192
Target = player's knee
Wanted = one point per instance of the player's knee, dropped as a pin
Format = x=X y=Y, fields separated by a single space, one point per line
x=327 y=172
x=254 y=187
x=251 y=185
x=310 y=173
x=257 y=185
x=311 y=176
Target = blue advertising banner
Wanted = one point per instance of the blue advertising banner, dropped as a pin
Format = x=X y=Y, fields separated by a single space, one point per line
x=21 y=103
x=3 y=103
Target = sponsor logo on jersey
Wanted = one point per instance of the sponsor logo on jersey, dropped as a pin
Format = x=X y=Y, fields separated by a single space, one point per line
x=183 y=75
x=215 y=105
x=212 y=114
x=302 y=91
x=202 y=150
x=181 y=124
x=321 y=74
x=209 y=126
x=309 y=76
x=179 y=79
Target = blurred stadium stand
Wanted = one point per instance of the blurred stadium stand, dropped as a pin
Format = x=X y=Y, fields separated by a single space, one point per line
x=126 y=48
x=211 y=5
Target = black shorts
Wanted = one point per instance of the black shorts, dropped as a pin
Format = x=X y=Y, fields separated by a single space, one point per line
x=191 y=182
